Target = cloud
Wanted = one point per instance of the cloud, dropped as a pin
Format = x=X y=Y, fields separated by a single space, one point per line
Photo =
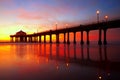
x=40 y=11
x=59 y=11
x=24 y=14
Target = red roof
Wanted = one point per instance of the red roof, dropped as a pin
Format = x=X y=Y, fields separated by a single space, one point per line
x=21 y=33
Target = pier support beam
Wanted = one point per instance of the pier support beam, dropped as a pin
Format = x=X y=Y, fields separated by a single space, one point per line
x=64 y=38
x=15 y=39
x=25 y=39
x=31 y=39
x=57 y=38
x=39 y=38
x=35 y=40
x=88 y=37
x=74 y=37
x=28 y=39
x=82 y=42
x=100 y=34
x=11 y=39
x=44 y=38
x=50 y=38
x=105 y=40
x=68 y=42
x=88 y=54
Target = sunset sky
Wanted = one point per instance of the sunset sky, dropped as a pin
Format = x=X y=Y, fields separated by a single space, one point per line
x=41 y=15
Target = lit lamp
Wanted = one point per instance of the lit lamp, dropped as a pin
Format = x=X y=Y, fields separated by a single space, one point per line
x=98 y=12
x=106 y=18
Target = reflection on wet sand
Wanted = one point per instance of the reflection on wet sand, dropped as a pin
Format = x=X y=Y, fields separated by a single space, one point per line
x=103 y=64
x=64 y=57
x=69 y=53
x=55 y=53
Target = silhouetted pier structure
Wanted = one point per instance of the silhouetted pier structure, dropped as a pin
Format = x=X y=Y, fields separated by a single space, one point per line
x=36 y=37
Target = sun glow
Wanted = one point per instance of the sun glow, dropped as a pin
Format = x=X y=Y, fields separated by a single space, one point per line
x=7 y=30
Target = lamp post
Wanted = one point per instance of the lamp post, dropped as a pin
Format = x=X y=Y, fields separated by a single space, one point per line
x=56 y=25
x=99 y=41
x=98 y=12
x=57 y=35
x=105 y=31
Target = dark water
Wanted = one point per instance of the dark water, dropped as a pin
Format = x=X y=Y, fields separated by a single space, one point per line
x=30 y=61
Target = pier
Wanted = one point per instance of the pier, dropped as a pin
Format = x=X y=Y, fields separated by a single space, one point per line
x=36 y=37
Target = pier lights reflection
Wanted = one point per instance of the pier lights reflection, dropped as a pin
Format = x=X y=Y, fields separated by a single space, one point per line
x=88 y=54
x=50 y=51
x=76 y=53
x=64 y=50
x=103 y=64
x=57 y=50
x=68 y=51
x=99 y=78
x=82 y=54
x=67 y=64
x=40 y=49
x=44 y=49
x=105 y=53
x=100 y=53
x=66 y=54
x=47 y=59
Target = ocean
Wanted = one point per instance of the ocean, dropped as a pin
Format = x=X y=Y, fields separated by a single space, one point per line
x=39 y=61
